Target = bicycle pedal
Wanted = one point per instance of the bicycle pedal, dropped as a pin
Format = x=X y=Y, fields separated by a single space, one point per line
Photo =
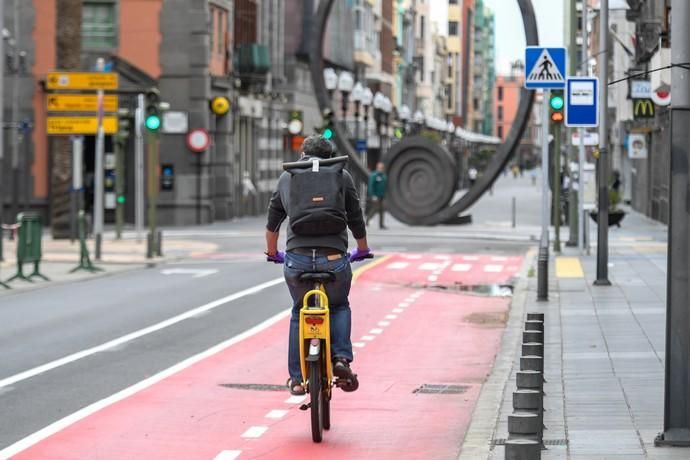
x=305 y=406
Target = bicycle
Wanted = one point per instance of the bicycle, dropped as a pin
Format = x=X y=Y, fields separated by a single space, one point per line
x=315 y=359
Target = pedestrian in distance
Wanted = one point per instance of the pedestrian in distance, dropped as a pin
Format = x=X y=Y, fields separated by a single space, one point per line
x=320 y=204
x=376 y=191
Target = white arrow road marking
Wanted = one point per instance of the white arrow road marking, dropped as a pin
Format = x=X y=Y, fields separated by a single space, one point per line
x=195 y=272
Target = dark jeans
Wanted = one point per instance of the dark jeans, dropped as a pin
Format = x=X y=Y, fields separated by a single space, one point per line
x=375 y=206
x=339 y=306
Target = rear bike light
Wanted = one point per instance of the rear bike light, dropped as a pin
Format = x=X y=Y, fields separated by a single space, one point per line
x=313 y=320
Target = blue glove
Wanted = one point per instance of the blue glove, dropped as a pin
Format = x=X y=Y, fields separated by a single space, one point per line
x=360 y=254
x=277 y=258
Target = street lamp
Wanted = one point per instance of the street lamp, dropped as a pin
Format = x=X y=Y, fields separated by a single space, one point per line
x=357 y=96
x=345 y=85
x=367 y=100
x=331 y=80
x=404 y=115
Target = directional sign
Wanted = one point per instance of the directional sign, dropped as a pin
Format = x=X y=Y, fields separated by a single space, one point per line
x=582 y=102
x=80 y=125
x=82 y=80
x=546 y=67
x=80 y=103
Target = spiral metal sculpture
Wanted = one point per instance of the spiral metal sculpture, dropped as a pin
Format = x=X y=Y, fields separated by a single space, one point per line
x=423 y=176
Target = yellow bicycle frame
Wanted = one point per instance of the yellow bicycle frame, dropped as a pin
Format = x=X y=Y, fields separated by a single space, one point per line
x=314 y=323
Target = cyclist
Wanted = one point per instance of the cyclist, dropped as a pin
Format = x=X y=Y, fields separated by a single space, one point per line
x=320 y=253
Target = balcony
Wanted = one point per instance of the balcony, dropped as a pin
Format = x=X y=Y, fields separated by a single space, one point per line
x=252 y=59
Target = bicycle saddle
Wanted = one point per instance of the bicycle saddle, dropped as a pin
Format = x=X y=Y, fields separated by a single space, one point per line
x=320 y=277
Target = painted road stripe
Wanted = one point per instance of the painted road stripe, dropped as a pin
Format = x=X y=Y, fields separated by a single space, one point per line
x=358 y=344
x=391 y=316
x=433 y=278
x=569 y=267
x=135 y=335
x=255 y=432
x=368 y=338
x=296 y=399
x=461 y=267
x=398 y=265
x=276 y=414
x=493 y=268
x=470 y=258
x=429 y=266
x=398 y=310
x=228 y=455
x=375 y=331
x=71 y=419
x=384 y=323
x=404 y=304
x=499 y=259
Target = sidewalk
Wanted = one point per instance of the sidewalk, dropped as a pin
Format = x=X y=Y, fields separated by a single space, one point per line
x=61 y=256
x=604 y=355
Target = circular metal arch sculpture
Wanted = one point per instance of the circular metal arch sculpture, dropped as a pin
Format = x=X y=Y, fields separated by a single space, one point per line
x=423 y=175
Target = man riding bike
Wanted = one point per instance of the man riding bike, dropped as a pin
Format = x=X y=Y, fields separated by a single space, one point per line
x=317 y=253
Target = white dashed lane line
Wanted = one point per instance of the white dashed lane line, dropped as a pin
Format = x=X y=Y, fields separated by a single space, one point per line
x=376 y=331
x=228 y=455
x=391 y=316
x=358 y=344
x=398 y=310
x=276 y=414
x=398 y=265
x=368 y=338
x=461 y=267
x=493 y=268
x=255 y=432
x=384 y=323
x=296 y=399
x=430 y=266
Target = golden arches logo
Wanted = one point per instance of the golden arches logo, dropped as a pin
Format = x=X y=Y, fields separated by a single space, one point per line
x=643 y=108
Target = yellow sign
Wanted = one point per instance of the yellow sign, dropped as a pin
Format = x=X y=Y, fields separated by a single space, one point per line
x=80 y=125
x=82 y=80
x=80 y=103
x=643 y=108
x=220 y=105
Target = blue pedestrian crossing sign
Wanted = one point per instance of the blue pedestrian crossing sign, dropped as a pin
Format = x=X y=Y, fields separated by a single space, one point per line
x=582 y=102
x=545 y=67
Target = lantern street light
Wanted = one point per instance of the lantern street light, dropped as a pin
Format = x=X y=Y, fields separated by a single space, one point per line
x=357 y=96
x=330 y=78
x=345 y=85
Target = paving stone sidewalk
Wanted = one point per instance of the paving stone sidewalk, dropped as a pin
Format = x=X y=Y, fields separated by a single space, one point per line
x=604 y=357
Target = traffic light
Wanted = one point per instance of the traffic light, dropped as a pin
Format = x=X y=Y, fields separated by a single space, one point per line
x=152 y=120
x=123 y=127
x=327 y=131
x=556 y=102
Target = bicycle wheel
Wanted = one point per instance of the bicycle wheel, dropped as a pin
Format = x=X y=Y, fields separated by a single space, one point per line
x=326 y=409
x=316 y=400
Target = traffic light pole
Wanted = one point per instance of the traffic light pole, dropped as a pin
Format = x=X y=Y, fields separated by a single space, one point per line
x=677 y=367
x=557 y=186
x=119 y=187
x=152 y=191
x=545 y=164
x=139 y=167
x=603 y=160
x=582 y=219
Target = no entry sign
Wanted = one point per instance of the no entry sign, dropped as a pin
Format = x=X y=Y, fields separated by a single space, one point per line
x=198 y=140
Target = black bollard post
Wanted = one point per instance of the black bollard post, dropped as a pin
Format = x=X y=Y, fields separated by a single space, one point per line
x=543 y=269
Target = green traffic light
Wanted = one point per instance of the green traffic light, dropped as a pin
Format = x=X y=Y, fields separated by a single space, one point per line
x=556 y=102
x=327 y=134
x=121 y=199
x=152 y=122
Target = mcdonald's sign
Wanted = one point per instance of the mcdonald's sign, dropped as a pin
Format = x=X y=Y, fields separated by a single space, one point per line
x=643 y=108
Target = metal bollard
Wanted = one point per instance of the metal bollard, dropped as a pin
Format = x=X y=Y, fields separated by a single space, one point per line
x=535 y=316
x=523 y=449
x=543 y=269
x=534 y=325
x=533 y=349
x=525 y=424
x=149 y=246
x=529 y=380
x=532 y=363
x=532 y=336
x=159 y=244
x=528 y=400
x=514 y=214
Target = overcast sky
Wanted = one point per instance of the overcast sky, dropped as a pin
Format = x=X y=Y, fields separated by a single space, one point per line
x=510 y=36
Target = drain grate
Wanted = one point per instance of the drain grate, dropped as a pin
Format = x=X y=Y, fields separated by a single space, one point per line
x=429 y=388
x=547 y=442
x=254 y=386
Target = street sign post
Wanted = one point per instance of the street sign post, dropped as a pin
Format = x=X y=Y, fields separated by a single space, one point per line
x=198 y=140
x=82 y=80
x=546 y=67
x=80 y=103
x=79 y=125
x=582 y=102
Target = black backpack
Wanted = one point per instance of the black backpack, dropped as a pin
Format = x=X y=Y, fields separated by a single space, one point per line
x=317 y=197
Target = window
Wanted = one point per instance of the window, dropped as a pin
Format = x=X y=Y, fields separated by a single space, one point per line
x=500 y=93
x=499 y=132
x=452 y=2
x=499 y=114
x=98 y=25
x=453 y=28
x=219 y=41
x=421 y=27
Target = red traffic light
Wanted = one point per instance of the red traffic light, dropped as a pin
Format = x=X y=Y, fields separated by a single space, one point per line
x=557 y=117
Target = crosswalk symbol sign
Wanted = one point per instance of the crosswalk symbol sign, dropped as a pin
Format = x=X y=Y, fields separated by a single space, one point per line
x=545 y=67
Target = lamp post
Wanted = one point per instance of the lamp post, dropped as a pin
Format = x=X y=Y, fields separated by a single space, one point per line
x=346 y=84
x=379 y=101
x=357 y=95
x=404 y=115
x=418 y=119
x=367 y=100
x=451 y=129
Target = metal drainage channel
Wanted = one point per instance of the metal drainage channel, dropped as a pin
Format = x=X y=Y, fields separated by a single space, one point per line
x=254 y=386
x=547 y=442
x=441 y=389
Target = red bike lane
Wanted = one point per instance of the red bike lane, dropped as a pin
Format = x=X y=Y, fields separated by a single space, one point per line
x=404 y=335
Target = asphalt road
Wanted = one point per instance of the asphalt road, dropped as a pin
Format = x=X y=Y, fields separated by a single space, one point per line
x=53 y=363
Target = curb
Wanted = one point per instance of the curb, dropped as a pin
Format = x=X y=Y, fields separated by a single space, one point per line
x=485 y=417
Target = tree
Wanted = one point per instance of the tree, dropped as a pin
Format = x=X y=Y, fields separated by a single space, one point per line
x=68 y=22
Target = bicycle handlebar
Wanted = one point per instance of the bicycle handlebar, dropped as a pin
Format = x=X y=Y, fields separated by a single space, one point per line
x=368 y=256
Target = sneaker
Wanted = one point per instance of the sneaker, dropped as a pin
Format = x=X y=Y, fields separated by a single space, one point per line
x=341 y=369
